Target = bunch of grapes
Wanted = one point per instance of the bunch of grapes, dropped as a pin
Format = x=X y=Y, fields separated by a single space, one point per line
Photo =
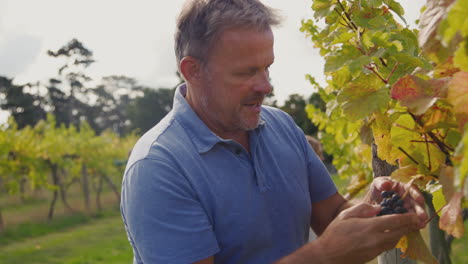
x=391 y=204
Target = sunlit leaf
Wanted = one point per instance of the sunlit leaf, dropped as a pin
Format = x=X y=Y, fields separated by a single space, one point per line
x=429 y=22
x=381 y=130
x=404 y=174
x=322 y=8
x=458 y=97
x=411 y=91
x=451 y=219
x=438 y=199
x=413 y=246
x=363 y=96
x=446 y=69
x=447 y=180
x=461 y=55
x=456 y=21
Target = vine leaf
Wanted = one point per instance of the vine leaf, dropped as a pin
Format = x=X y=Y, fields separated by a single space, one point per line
x=446 y=69
x=458 y=97
x=404 y=174
x=362 y=97
x=429 y=24
x=417 y=94
x=381 y=131
x=446 y=179
x=323 y=8
x=451 y=219
x=413 y=246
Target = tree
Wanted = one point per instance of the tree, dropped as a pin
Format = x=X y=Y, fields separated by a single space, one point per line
x=114 y=96
x=295 y=106
x=24 y=107
x=146 y=111
x=69 y=93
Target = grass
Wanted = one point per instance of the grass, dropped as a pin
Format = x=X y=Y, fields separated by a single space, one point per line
x=42 y=227
x=101 y=240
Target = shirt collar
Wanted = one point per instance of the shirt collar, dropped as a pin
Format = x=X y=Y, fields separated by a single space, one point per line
x=203 y=138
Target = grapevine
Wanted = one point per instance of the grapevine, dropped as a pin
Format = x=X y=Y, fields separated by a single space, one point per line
x=402 y=90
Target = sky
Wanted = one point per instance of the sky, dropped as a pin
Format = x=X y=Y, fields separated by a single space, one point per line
x=135 y=38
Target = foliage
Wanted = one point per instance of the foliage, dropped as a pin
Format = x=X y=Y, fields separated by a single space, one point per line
x=23 y=106
x=45 y=149
x=295 y=107
x=401 y=89
x=146 y=111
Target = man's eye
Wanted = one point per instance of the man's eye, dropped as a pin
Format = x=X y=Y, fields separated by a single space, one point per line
x=248 y=73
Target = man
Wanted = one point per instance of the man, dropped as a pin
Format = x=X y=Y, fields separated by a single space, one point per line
x=223 y=179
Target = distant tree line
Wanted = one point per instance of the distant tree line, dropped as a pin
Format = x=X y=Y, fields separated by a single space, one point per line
x=118 y=103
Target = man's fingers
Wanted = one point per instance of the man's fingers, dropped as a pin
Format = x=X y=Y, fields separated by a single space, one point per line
x=416 y=194
x=362 y=210
x=397 y=221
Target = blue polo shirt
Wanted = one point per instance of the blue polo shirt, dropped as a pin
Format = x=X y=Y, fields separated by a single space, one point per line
x=188 y=194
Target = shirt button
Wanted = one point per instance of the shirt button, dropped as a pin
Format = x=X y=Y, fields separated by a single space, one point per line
x=238 y=151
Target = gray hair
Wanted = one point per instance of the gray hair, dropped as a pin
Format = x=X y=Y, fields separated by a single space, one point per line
x=201 y=21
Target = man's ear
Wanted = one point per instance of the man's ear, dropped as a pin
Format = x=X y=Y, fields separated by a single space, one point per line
x=190 y=69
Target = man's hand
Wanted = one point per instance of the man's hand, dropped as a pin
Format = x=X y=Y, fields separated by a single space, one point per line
x=414 y=200
x=357 y=236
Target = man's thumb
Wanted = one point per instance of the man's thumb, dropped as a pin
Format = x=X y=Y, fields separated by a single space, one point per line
x=362 y=210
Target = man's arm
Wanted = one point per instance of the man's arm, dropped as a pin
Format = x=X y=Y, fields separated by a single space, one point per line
x=323 y=212
x=351 y=233
x=355 y=236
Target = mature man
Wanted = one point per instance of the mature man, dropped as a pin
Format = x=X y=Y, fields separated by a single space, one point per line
x=223 y=179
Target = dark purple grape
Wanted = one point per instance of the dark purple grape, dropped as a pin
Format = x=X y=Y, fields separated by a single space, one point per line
x=386 y=194
x=399 y=203
x=400 y=210
x=395 y=198
x=391 y=204
x=386 y=211
x=385 y=202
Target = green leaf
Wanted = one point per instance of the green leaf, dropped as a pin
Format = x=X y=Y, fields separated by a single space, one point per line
x=438 y=199
x=397 y=8
x=323 y=8
x=357 y=65
x=429 y=22
x=411 y=60
x=456 y=21
x=461 y=55
x=364 y=96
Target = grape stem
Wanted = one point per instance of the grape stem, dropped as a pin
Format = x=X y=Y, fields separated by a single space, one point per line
x=407 y=190
x=434 y=215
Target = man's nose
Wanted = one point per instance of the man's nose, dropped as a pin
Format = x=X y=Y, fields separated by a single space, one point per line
x=263 y=84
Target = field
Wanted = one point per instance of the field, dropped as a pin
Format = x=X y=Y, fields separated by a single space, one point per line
x=78 y=238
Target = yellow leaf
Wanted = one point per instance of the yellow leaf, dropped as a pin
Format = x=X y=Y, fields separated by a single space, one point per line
x=451 y=219
x=381 y=130
x=413 y=246
x=446 y=178
x=404 y=174
x=458 y=97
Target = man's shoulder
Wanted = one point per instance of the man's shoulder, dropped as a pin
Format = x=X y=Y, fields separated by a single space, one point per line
x=157 y=143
